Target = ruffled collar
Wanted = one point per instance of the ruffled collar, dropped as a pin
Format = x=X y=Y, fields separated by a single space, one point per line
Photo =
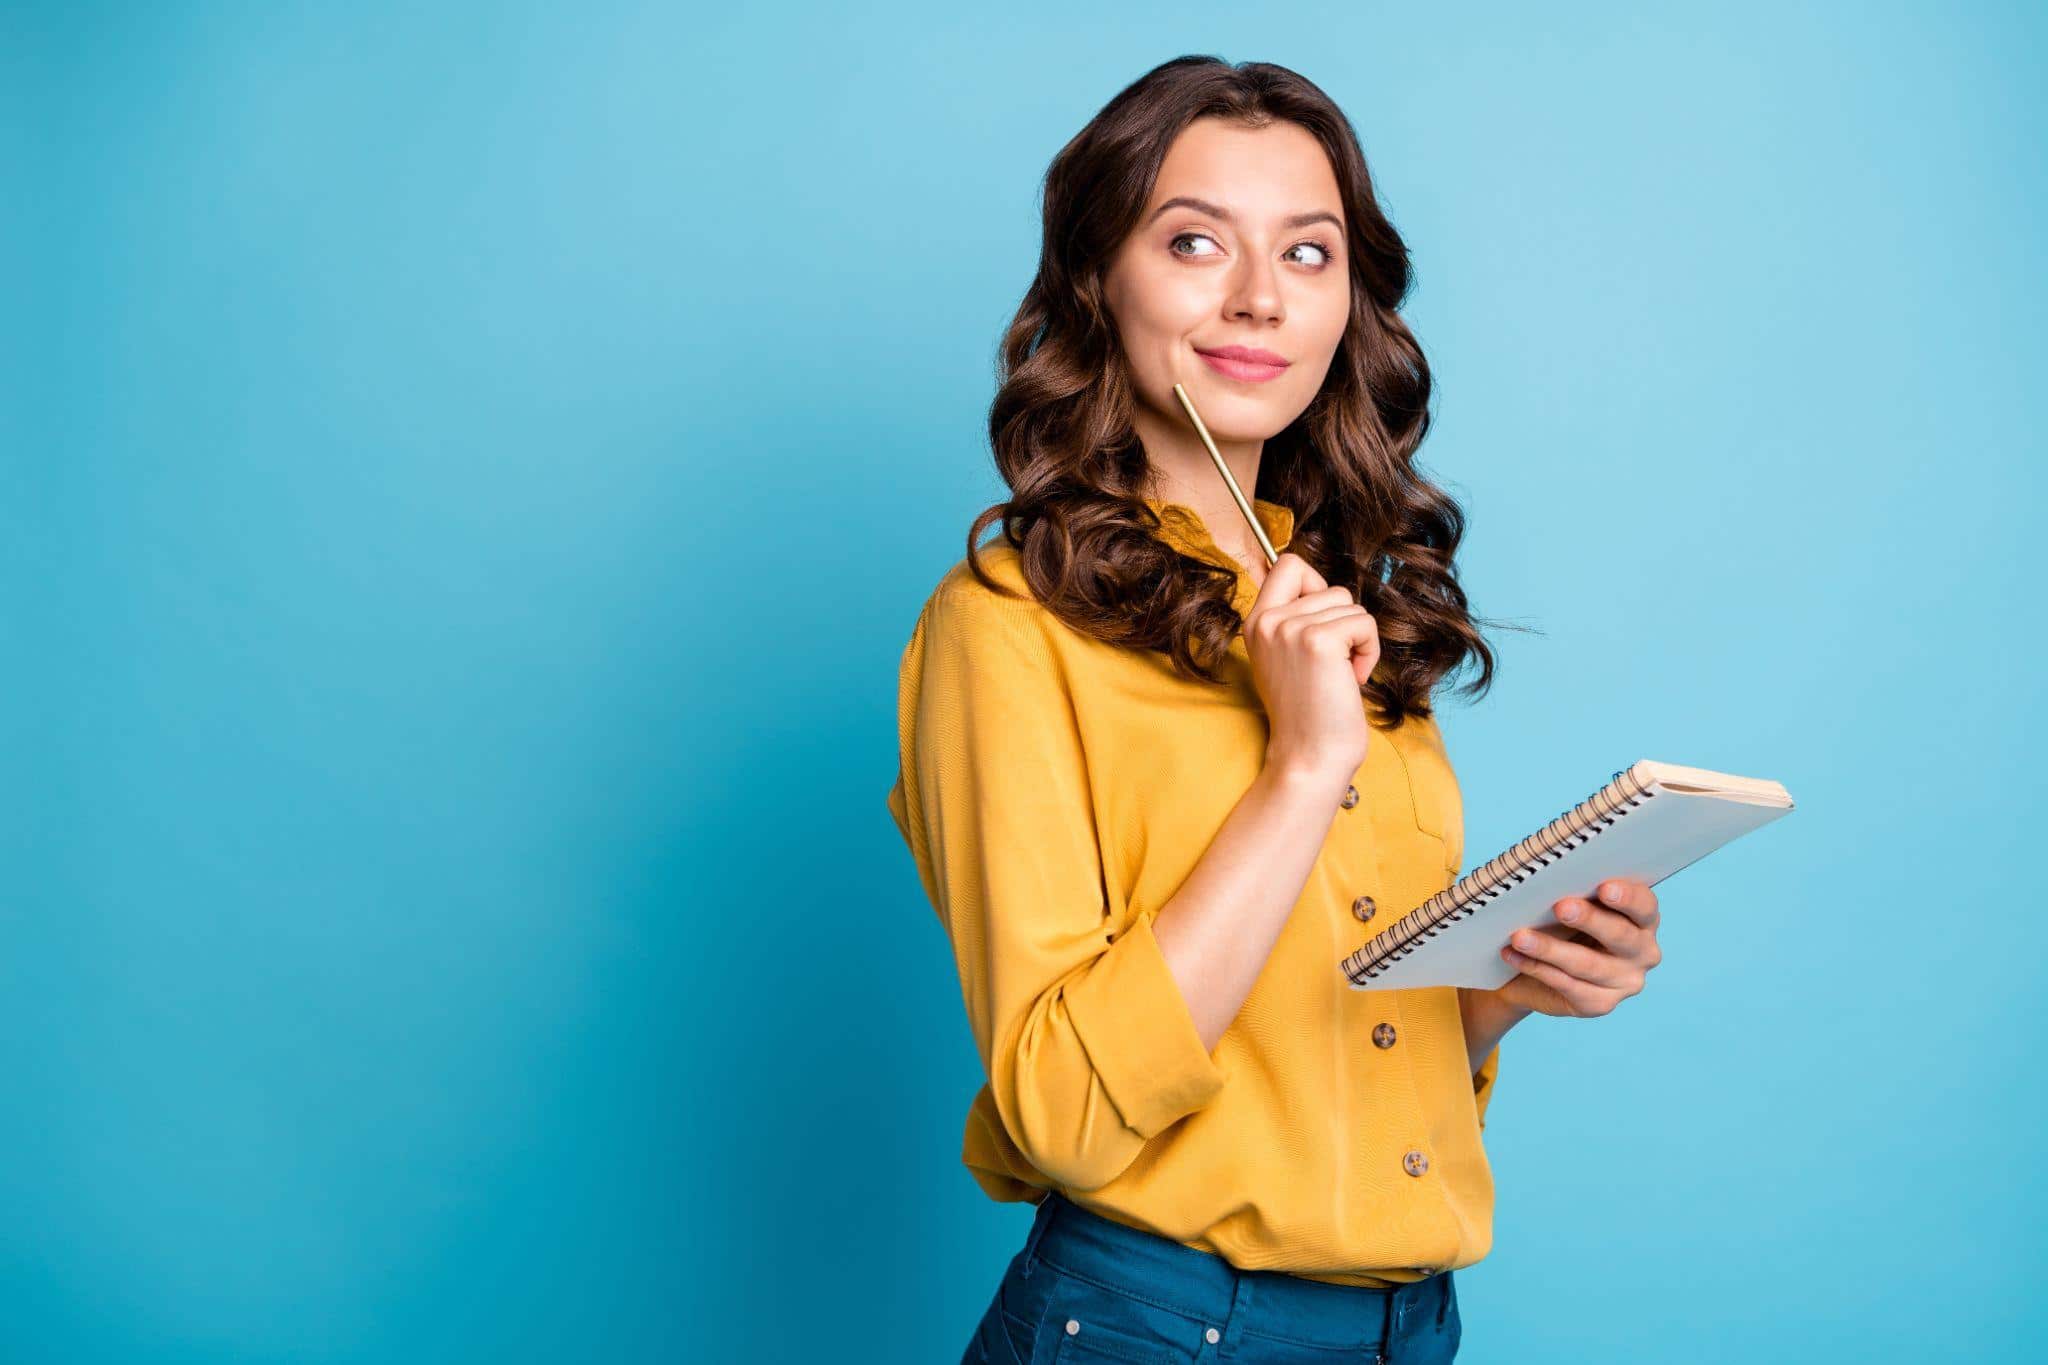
x=1183 y=528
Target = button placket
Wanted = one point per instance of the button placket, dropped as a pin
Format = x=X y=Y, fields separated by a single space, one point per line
x=1354 y=846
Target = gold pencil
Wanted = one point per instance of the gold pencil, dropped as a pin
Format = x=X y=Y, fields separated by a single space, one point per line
x=1244 y=506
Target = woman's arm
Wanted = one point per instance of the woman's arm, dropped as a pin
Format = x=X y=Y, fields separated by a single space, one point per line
x=1087 y=1043
x=1487 y=1018
x=1311 y=648
x=1219 y=928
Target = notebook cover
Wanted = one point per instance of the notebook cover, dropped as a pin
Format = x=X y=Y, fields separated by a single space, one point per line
x=1668 y=827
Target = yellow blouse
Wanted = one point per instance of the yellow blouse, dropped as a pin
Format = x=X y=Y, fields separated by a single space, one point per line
x=1055 y=791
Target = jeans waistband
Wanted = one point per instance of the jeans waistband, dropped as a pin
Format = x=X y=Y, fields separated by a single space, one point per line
x=1203 y=1285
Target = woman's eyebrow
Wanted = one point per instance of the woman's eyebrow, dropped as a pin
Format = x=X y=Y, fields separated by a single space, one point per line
x=1185 y=201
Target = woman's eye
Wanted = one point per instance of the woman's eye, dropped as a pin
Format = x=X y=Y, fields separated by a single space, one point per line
x=1321 y=257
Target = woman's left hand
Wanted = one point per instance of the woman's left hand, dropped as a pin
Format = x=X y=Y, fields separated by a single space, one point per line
x=1595 y=957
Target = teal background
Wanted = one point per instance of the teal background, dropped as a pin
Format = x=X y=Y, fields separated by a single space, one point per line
x=470 y=472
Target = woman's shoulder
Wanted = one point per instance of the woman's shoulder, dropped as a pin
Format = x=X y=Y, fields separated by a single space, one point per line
x=977 y=644
x=963 y=600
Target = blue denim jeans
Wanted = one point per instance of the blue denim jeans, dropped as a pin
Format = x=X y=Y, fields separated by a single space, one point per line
x=1088 y=1288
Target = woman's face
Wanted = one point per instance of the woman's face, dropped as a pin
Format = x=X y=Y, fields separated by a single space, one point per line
x=1242 y=244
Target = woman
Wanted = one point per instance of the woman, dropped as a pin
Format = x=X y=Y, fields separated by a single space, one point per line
x=1144 y=792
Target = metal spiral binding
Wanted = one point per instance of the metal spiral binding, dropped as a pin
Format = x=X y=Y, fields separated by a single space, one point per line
x=1570 y=829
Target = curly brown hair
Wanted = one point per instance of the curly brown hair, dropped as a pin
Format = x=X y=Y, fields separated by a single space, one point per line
x=1064 y=443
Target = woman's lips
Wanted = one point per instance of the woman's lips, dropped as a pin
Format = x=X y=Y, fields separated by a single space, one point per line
x=1234 y=368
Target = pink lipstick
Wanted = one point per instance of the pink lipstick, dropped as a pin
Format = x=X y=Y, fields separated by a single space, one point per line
x=1244 y=362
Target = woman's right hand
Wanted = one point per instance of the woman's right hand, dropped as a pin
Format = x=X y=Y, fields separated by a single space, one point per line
x=1312 y=647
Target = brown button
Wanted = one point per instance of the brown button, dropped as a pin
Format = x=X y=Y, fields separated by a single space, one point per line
x=1350 y=797
x=1363 y=908
x=1383 y=1035
x=1415 y=1163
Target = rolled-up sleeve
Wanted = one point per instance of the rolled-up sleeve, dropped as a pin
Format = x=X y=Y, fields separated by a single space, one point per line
x=1088 y=1043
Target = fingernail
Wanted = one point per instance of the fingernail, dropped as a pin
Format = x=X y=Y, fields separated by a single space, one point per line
x=1569 y=912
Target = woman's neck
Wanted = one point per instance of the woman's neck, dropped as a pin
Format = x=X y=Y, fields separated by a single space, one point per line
x=1182 y=471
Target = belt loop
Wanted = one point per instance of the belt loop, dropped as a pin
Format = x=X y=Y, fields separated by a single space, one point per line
x=1240 y=1312
x=1040 y=1221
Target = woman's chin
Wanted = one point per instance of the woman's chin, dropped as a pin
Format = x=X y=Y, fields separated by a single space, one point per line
x=1240 y=417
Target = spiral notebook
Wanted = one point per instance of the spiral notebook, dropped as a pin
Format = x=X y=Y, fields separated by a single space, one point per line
x=1651 y=821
